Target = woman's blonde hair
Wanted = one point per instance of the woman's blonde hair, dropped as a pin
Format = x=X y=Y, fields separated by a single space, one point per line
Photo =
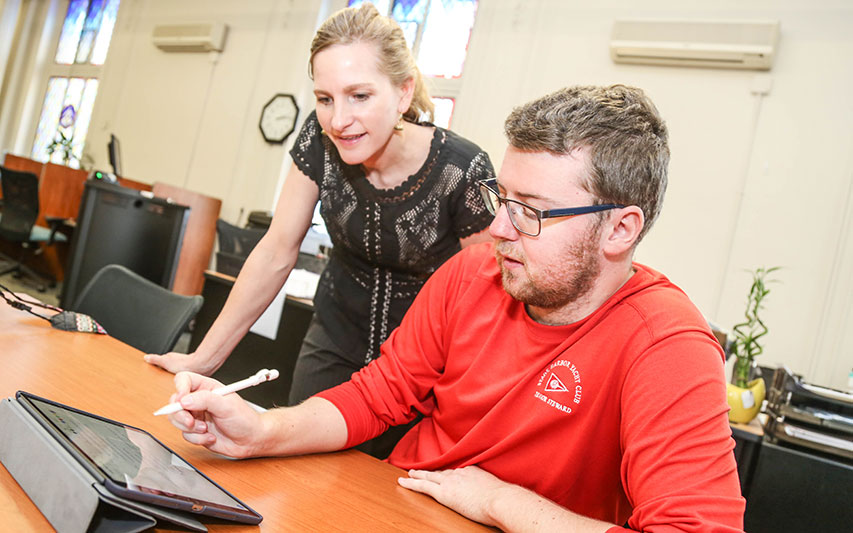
x=365 y=24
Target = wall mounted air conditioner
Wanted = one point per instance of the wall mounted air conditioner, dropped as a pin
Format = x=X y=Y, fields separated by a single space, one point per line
x=202 y=37
x=718 y=44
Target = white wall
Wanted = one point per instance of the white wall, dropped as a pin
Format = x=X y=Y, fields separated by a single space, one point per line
x=754 y=180
x=192 y=119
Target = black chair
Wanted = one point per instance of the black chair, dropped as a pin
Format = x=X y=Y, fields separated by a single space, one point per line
x=17 y=223
x=235 y=244
x=135 y=310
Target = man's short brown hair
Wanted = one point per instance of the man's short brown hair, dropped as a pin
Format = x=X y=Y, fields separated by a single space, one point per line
x=625 y=135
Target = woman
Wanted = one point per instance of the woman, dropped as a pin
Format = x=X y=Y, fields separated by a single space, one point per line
x=398 y=197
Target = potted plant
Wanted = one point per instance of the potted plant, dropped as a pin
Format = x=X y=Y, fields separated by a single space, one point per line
x=744 y=394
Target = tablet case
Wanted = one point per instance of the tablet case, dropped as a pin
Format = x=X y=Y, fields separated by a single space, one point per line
x=65 y=493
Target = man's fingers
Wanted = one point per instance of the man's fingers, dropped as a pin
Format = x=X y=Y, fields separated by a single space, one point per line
x=425 y=481
x=418 y=485
x=186 y=382
x=429 y=475
x=205 y=400
x=183 y=421
x=202 y=439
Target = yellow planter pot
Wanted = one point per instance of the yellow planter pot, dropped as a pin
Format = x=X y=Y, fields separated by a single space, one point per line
x=745 y=403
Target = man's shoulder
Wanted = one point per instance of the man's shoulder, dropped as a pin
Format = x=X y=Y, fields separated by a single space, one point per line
x=476 y=259
x=473 y=266
x=648 y=286
x=658 y=303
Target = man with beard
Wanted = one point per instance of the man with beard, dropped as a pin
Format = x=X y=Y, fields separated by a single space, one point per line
x=562 y=385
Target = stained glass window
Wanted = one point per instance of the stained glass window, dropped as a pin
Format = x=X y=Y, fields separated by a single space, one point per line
x=71 y=28
x=438 y=32
x=382 y=5
x=86 y=31
x=444 y=42
x=409 y=14
x=443 y=111
x=69 y=99
x=64 y=121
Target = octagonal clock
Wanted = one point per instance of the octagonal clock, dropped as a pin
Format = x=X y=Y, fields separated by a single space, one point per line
x=278 y=118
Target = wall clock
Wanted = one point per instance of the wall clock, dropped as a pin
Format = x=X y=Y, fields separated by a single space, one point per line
x=278 y=118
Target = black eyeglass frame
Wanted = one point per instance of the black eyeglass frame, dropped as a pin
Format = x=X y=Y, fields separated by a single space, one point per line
x=491 y=186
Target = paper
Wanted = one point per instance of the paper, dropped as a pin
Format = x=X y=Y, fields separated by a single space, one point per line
x=300 y=284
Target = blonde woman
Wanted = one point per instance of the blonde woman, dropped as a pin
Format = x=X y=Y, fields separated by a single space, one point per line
x=399 y=196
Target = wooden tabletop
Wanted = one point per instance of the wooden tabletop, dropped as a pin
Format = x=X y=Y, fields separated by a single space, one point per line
x=343 y=491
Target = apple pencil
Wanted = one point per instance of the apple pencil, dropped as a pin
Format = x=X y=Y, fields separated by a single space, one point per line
x=257 y=379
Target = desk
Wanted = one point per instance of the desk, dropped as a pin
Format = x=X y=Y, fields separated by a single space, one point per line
x=789 y=489
x=343 y=491
x=60 y=192
x=747 y=445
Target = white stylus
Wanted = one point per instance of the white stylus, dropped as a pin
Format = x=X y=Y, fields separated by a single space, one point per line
x=257 y=379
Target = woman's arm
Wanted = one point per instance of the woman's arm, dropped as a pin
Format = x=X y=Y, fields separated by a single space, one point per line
x=262 y=276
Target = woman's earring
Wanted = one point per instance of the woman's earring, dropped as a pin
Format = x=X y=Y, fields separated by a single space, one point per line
x=399 y=125
x=322 y=132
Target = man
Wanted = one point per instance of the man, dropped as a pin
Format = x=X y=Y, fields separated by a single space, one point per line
x=562 y=385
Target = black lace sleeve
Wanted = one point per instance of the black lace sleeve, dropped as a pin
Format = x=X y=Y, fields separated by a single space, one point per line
x=470 y=215
x=308 y=151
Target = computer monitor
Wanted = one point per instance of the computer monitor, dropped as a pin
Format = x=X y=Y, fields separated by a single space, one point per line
x=118 y=225
x=114 y=150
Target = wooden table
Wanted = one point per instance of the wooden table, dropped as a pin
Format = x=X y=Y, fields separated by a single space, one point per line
x=343 y=491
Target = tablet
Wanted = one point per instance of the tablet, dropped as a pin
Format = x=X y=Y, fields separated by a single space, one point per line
x=131 y=463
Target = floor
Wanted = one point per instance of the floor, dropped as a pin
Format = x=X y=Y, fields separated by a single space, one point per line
x=21 y=286
x=51 y=297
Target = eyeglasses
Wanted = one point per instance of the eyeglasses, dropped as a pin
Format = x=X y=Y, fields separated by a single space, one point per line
x=526 y=218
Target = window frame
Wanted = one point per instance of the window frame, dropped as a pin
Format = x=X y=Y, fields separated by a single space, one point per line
x=51 y=69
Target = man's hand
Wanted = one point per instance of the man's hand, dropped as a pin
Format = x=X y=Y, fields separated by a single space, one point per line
x=482 y=497
x=175 y=362
x=469 y=491
x=223 y=424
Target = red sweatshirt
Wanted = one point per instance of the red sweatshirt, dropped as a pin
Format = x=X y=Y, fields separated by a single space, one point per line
x=620 y=416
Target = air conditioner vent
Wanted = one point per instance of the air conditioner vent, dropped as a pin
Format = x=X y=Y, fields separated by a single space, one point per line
x=718 y=44
x=202 y=37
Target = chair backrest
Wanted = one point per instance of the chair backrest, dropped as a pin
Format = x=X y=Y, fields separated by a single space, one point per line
x=229 y=264
x=135 y=310
x=235 y=245
x=20 y=204
x=236 y=240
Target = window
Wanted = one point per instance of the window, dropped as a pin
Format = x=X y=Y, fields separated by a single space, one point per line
x=438 y=32
x=72 y=83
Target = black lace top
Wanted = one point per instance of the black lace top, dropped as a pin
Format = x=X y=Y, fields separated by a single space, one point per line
x=386 y=243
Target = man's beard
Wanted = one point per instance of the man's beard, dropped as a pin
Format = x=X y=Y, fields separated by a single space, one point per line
x=561 y=284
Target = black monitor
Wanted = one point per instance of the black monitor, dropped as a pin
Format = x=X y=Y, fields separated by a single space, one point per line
x=118 y=225
x=115 y=154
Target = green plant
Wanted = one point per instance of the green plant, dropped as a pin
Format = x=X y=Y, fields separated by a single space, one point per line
x=65 y=145
x=746 y=345
x=67 y=118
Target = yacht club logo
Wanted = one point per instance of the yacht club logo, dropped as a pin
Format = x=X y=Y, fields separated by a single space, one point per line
x=562 y=383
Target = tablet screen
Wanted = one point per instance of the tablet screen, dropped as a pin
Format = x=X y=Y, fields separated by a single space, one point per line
x=133 y=459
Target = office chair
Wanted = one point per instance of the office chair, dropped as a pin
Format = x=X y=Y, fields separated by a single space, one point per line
x=135 y=310
x=235 y=244
x=17 y=223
